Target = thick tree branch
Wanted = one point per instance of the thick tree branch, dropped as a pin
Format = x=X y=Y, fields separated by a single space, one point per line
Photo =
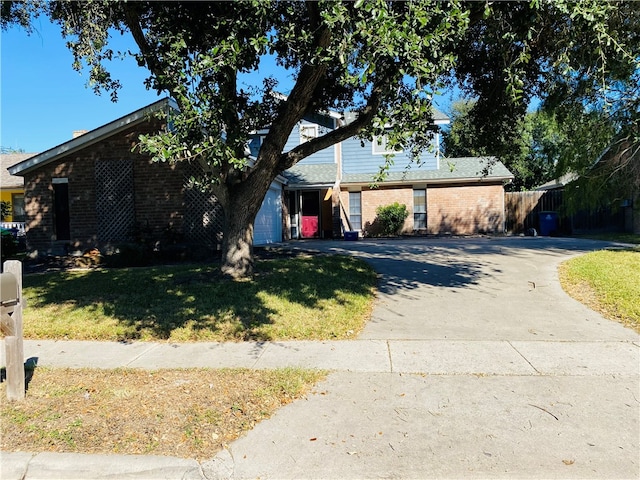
x=132 y=20
x=289 y=159
x=301 y=96
x=228 y=91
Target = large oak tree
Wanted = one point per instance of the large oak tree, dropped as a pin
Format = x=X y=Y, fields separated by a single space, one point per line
x=382 y=60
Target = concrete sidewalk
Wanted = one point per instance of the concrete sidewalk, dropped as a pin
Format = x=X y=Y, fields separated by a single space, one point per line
x=432 y=357
x=475 y=365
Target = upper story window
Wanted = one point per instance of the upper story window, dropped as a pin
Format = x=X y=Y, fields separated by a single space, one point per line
x=380 y=147
x=307 y=132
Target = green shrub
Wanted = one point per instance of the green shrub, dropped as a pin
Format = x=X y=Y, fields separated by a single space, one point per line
x=391 y=217
x=5 y=209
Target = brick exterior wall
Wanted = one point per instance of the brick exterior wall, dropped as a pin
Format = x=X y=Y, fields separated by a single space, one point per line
x=373 y=198
x=465 y=210
x=157 y=197
x=455 y=209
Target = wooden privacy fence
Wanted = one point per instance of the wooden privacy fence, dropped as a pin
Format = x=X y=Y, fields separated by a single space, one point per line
x=11 y=304
x=522 y=209
x=522 y=212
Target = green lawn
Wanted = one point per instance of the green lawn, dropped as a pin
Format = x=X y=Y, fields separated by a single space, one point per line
x=311 y=297
x=607 y=281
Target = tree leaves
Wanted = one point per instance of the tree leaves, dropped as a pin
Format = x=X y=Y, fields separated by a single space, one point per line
x=379 y=60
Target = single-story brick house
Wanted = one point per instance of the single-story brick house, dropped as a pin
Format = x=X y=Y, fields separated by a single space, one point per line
x=97 y=190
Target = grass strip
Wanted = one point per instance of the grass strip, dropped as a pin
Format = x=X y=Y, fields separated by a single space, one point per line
x=607 y=281
x=190 y=413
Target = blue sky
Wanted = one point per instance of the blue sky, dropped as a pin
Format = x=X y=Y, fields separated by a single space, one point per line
x=43 y=100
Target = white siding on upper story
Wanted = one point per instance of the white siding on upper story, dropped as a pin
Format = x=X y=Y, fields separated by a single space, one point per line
x=358 y=157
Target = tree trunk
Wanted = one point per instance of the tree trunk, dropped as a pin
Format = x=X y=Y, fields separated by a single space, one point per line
x=237 y=245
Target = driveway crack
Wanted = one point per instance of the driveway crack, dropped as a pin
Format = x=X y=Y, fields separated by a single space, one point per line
x=389 y=355
x=141 y=354
x=525 y=358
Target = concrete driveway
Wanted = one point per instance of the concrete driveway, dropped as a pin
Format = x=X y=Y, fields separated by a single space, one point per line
x=512 y=378
x=478 y=289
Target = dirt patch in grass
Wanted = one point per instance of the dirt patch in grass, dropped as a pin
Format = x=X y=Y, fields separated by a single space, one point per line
x=190 y=413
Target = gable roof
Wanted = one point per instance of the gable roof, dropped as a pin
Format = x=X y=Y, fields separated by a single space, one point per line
x=9 y=160
x=91 y=137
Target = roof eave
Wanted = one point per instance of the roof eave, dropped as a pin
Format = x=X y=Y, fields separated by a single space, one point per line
x=309 y=186
x=91 y=137
x=15 y=186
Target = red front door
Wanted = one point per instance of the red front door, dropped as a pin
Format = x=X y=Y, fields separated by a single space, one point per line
x=309 y=226
x=310 y=214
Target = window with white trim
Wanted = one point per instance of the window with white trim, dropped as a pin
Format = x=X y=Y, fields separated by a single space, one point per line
x=355 y=210
x=419 y=209
x=380 y=147
x=308 y=132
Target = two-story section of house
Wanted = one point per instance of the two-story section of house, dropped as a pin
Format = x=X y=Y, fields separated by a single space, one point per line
x=333 y=191
x=98 y=191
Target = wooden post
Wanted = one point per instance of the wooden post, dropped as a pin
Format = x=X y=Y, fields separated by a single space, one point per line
x=11 y=314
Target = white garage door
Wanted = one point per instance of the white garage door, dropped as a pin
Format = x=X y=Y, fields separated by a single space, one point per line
x=268 y=225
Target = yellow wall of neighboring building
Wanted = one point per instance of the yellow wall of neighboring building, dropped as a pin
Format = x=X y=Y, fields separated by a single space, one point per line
x=6 y=196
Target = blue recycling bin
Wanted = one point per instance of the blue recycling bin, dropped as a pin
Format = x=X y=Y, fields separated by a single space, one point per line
x=351 y=236
x=548 y=223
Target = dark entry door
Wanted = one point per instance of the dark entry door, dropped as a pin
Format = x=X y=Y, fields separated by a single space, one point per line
x=310 y=214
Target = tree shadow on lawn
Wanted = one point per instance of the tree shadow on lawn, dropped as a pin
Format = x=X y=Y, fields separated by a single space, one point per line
x=157 y=301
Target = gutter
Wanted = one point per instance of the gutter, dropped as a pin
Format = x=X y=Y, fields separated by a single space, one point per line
x=438 y=181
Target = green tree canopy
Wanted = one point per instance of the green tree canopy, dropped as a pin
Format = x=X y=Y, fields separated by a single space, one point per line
x=545 y=145
x=382 y=60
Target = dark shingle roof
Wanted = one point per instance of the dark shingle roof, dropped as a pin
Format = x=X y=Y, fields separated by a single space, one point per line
x=303 y=175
